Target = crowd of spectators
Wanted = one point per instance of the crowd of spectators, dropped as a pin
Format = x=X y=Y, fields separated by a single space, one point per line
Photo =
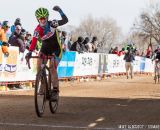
x=19 y=37
x=124 y=50
x=149 y=53
x=85 y=45
x=15 y=35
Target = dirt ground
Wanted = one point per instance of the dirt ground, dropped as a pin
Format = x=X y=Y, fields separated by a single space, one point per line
x=110 y=104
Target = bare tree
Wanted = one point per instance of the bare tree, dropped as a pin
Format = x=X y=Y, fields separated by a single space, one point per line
x=106 y=31
x=148 y=24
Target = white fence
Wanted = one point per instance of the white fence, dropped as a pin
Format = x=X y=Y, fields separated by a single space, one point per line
x=14 y=68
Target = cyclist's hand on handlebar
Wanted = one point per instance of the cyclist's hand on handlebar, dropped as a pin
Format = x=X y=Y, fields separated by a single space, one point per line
x=57 y=8
x=27 y=57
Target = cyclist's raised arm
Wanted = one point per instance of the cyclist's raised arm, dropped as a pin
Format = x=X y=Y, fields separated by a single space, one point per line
x=64 y=20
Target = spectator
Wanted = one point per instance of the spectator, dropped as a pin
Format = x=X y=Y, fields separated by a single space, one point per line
x=17 y=22
x=129 y=58
x=84 y=44
x=90 y=47
x=149 y=51
x=3 y=38
x=28 y=38
x=110 y=51
x=156 y=53
x=121 y=52
x=66 y=41
x=77 y=46
x=137 y=52
x=17 y=39
x=131 y=46
x=94 y=44
x=115 y=51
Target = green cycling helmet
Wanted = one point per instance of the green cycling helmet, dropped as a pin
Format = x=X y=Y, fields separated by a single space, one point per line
x=42 y=13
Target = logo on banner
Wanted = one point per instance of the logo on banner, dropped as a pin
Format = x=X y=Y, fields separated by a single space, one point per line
x=115 y=63
x=11 y=61
x=87 y=61
x=66 y=65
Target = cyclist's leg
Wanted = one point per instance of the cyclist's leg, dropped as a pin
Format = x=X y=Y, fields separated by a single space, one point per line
x=39 y=62
x=54 y=75
x=127 y=69
x=131 y=69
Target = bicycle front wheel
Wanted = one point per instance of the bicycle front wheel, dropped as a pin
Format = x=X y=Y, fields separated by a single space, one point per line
x=53 y=105
x=40 y=94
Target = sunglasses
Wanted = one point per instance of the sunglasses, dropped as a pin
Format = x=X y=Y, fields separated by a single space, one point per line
x=18 y=29
x=42 y=18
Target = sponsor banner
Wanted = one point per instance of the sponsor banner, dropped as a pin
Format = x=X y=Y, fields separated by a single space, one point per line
x=86 y=64
x=9 y=64
x=116 y=64
x=142 y=64
x=14 y=68
x=149 y=65
x=66 y=65
x=23 y=72
x=137 y=63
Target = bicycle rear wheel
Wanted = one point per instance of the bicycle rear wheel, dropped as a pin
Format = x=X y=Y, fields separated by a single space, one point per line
x=40 y=94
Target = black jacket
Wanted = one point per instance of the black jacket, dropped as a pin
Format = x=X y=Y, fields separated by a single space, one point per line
x=17 y=40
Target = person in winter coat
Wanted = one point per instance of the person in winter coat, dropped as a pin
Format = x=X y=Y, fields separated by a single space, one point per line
x=129 y=58
x=17 y=39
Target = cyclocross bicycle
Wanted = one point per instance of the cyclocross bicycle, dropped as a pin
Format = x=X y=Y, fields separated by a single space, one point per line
x=44 y=87
x=157 y=71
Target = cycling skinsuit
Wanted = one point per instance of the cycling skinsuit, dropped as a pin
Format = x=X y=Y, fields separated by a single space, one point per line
x=49 y=36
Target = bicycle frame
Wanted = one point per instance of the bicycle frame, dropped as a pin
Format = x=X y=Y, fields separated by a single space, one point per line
x=43 y=68
x=44 y=91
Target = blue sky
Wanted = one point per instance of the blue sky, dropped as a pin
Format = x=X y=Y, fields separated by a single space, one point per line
x=123 y=11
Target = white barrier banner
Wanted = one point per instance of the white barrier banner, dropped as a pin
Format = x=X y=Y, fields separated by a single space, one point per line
x=86 y=64
x=137 y=64
x=14 y=68
x=116 y=64
x=149 y=65
x=23 y=72
x=9 y=64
